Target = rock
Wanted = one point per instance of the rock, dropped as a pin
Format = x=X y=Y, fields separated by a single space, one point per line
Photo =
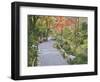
x=70 y=58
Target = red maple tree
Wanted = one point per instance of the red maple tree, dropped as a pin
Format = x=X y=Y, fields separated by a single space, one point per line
x=62 y=21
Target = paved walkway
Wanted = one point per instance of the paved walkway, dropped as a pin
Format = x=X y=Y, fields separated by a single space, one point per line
x=48 y=55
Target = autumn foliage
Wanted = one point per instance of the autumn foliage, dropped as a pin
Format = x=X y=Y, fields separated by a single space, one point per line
x=62 y=22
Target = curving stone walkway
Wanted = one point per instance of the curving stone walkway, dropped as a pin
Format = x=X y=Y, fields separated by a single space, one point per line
x=48 y=55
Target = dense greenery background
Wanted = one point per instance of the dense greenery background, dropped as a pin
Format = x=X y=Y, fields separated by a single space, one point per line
x=70 y=36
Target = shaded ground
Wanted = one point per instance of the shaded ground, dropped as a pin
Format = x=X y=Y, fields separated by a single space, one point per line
x=48 y=55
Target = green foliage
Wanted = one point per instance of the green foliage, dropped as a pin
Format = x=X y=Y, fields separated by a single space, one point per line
x=32 y=40
x=73 y=40
x=80 y=59
x=38 y=30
